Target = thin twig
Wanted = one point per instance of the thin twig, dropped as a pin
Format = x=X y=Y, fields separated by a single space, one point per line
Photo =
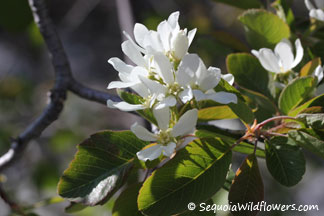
x=13 y=206
x=91 y=94
x=64 y=81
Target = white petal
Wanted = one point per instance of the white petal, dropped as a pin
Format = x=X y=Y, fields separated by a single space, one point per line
x=164 y=68
x=162 y=117
x=199 y=95
x=285 y=53
x=319 y=73
x=201 y=72
x=223 y=97
x=150 y=153
x=153 y=86
x=133 y=42
x=120 y=66
x=169 y=101
x=191 y=35
x=180 y=45
x=164 y=30
x=211 y=79
x=133 y=54
x=299 y=53
x=140 y=31
x=152 y=40
x=173 y=20
x=118 y=84
x=309 y=5
x=186 y=123
x=187 y=69
x=228 y=78
x=169 y=149
x=141 y=89
x=267 y=59
x=142 y=133
x=124 y=106
x=186 y=95
x=317 y=14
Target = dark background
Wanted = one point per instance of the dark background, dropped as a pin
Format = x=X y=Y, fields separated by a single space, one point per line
x=91 y=34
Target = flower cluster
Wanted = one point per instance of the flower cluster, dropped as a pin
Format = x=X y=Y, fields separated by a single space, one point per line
x=166 y=77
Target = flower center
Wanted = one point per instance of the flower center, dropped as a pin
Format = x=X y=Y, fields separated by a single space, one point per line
x=174 y=88
x=165 y=137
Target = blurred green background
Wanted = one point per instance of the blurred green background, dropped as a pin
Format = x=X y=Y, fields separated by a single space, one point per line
x=91 y=35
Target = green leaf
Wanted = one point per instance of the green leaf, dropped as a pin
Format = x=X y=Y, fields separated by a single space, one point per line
x=317 y=101
x=247 y=187
x=263 y=29
x=126 y=203
x=230 y=139
x=315 y=121
x=241 y=109
x=135 y=99
x=74 y=207
x=310 y=67
x=295 y=93
x=308 y=140
x=261 y=100
x=99 y=167
x=195 y=174
x=248 y=72
x=215 y=113
x=285 y=162
x=243 y=4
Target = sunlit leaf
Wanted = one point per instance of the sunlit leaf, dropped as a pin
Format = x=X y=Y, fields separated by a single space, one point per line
x=263 y=29
x=216 y=113
x=317 y=101
x=185 y=178
x=315 y=121
x=308 y=140
x=99 y=167
x=295 y=93
x=310 y=67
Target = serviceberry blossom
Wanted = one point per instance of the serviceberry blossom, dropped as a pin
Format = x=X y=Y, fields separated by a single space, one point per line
x=169 y=39
x=282 y=59
x=316 y=13
x=199 y=82
x=319 y=73
x=167 y=138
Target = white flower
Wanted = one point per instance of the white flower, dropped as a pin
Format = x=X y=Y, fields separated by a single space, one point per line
x=166 y=136
x=168 y=39
x=153 y=93
x=199 y=82
x=319 y=73
x=316 y=13
x=282 y=59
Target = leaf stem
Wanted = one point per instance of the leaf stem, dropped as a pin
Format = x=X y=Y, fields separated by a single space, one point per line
x=260 y=125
